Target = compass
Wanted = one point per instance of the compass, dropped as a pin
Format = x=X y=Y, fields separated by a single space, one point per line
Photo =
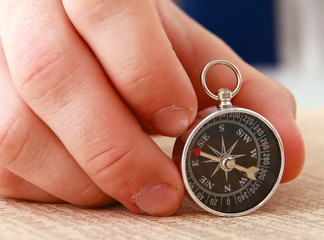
x=232 y=161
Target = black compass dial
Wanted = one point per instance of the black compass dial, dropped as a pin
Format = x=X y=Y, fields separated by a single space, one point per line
x=232 y=162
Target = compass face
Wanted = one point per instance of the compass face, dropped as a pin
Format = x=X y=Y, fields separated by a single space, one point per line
x=232 y=162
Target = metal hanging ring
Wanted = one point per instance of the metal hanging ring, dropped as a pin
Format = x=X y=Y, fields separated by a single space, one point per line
x=221 y=62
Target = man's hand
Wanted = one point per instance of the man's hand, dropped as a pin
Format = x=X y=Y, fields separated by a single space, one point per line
x=80 y=79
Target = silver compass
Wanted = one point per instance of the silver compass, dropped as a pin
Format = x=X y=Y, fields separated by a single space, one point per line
x=233 y=160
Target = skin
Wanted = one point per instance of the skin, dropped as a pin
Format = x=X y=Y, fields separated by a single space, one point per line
x=81 y=79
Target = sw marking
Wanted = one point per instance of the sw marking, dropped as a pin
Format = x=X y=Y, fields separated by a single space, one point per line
x=243 y=135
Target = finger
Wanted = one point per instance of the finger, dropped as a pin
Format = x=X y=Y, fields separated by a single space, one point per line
x=13 y=186
x=60 y=79
x=195 y=47
x=30 y=150
x=202 y=47
x=131 y=45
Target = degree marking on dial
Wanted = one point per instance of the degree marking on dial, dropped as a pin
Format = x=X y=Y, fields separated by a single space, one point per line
x=248 y=191
x=207 y=199
x=266 y=151
x=262 y=136
x=241 y=118
x=228 y=201
x=261 y=166
x=235 y=199
x=253 y=124
x=259 y=181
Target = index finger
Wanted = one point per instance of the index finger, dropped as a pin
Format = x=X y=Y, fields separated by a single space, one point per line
x=58 y=76
x=130 y=43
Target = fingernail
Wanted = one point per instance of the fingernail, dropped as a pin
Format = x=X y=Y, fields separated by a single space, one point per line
x=172 y=121
x=158 y=199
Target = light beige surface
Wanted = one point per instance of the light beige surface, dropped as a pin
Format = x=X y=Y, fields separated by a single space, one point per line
x=296 y=211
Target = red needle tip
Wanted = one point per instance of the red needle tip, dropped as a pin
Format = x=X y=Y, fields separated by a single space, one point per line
x=196 y=151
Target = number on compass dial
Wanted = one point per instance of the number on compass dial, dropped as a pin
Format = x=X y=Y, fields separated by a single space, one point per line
x=232 y=161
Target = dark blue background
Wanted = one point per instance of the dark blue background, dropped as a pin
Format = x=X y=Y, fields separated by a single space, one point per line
x=246 y=25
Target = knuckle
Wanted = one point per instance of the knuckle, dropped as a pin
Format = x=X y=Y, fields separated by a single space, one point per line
x=43 y=70
x=94 y=13
x=140 y=78
x=144 y=93
x=8 y=182
x=13 y=138
x=142 y=81
x=91 y=196
x=36 y=67
x=112 y=166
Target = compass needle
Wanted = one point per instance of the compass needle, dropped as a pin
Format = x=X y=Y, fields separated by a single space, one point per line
x=250 y=172
x=209 y=156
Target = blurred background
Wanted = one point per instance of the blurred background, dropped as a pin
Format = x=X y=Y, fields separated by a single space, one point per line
x=282 y=38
